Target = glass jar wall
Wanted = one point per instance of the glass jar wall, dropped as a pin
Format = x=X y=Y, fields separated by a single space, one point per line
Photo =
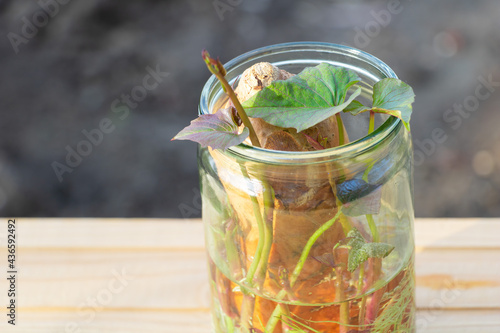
x=318 y=241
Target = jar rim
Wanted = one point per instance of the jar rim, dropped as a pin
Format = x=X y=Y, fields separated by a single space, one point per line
x=368 y=142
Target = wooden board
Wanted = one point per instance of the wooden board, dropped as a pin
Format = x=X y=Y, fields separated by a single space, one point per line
x=118 y=275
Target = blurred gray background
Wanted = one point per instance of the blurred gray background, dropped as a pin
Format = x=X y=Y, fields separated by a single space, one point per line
x=72 y=69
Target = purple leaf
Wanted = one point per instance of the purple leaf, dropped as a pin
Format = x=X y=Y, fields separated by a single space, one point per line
x=316 y=145
x=217 y=130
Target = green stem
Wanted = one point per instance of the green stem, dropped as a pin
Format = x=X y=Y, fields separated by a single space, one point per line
x=361 y=316
x=373 y=228
x=368 y=169
x=344 y=306
x=217 y=68
x=248 y=302
x=340 y=127
x=375 y=239
x=275 y=316
x=260 y=225
x=261 y=257
x=241 y=112
x=361 y=277
x=362 y=306
x=346 y=224
x=268 y=231
x=247 y=309
x=229 y=324
x=285 y=310
x=371 y=126
x=307 y=249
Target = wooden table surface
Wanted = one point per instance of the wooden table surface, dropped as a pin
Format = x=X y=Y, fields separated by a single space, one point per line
x=149 y=275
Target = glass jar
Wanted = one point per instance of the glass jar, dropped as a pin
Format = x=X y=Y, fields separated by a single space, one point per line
x=291 y=236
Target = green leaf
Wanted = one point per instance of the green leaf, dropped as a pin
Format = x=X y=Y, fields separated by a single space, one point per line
x=356 y=108
x=394 y=97
x=361 y=250
x=217 y=130
x=306 y=99
x=390 y=96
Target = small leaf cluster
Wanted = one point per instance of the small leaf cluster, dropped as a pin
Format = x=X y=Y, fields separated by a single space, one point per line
x=360 y=250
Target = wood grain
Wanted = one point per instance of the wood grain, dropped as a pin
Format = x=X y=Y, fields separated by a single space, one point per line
x=456 y=321
x=117 y=275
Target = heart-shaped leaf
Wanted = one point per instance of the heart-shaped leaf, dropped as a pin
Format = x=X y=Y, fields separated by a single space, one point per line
x=217 y=130
x=361 y=250
x=306 y=99
x=390 y=96
x=394 y=97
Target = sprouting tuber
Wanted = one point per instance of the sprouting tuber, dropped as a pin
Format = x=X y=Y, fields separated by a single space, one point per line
x=254 y=79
